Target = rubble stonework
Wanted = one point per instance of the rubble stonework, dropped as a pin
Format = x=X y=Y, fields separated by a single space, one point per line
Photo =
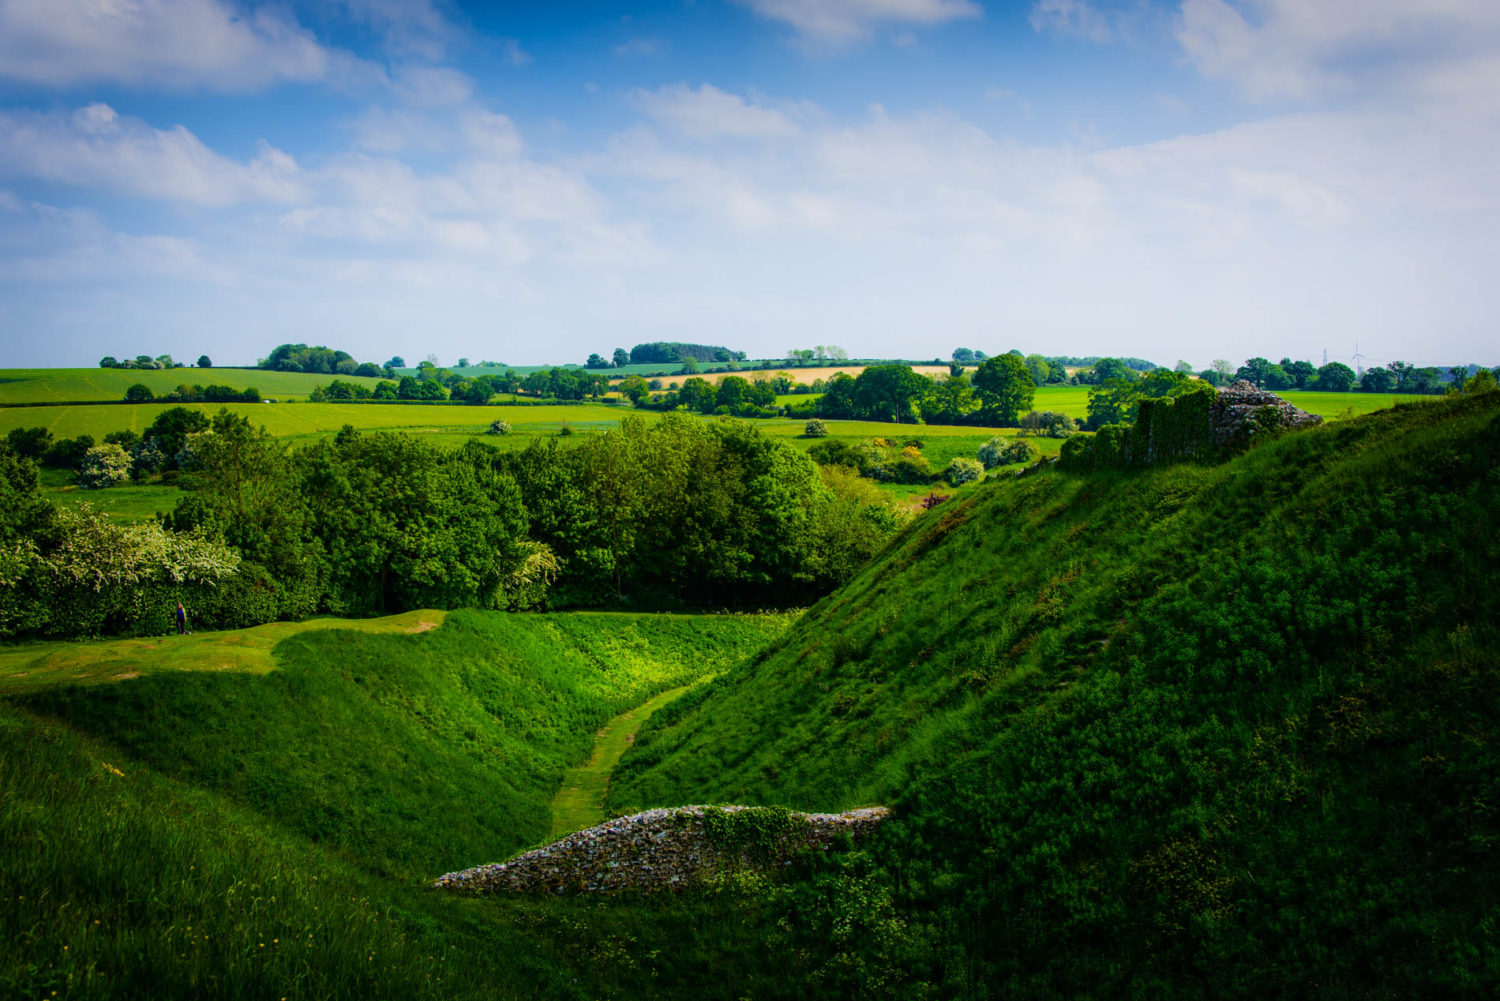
x=663 y=849
x=1242 y=411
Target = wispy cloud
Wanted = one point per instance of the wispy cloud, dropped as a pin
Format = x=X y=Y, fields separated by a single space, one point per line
x=641 y=47
x=835 y=23
x=96 y=148
x=708 y=112
x=179 y=44
x=1292 y=49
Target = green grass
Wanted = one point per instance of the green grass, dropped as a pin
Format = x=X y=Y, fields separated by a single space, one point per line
x=1192 y=731
x=579 y=802
x=207 y=829
x=52 y=385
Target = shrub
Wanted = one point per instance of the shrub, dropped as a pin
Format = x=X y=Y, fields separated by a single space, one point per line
x=1019 y=451
x=991 y=453
x=499 y=427
x=962 y=470
x=139 y=393
x=815 y=428
x=104 y=466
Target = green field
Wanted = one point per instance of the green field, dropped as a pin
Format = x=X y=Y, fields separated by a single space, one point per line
x=52 y=385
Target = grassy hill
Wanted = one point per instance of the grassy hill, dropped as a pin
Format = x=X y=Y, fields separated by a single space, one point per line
x=179 y=820
x=1200 y=731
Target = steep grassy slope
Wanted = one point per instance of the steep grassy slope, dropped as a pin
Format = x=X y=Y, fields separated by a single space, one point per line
x=1195 y=731
x=214 y=832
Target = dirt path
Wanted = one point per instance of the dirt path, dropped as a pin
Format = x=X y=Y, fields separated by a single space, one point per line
x=580 y=801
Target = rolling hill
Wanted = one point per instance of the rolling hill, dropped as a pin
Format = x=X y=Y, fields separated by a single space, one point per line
x=1207 y=730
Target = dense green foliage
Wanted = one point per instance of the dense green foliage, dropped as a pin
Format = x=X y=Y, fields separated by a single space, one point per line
x=1160 y=429
x=677 y=513
x=1248 y=751
x=672 y=351
x=692 y=511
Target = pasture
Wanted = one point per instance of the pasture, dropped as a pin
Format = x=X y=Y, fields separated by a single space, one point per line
x=62 y=385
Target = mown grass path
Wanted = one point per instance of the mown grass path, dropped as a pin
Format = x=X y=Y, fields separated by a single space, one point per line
x=580 y=801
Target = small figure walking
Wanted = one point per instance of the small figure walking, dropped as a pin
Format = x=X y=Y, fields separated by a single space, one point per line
x=181 y=619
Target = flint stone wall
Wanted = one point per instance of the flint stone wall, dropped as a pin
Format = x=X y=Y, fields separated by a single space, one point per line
x=664 y=849
x=1242 y=411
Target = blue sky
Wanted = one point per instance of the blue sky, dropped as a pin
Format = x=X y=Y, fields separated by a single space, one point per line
x=529 y=183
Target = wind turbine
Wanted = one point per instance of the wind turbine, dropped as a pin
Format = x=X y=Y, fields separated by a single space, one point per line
x=1358 y=359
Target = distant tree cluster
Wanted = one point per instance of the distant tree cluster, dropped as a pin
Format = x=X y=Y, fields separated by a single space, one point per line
x=146 y=362
x=323 y=361
x=673 y=352
x=141 y=393
x=733 y=396
x=434 y=385
x=820 y=354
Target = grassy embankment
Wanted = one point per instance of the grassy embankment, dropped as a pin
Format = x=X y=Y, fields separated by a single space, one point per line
x=203 y=826
x=1208 y=731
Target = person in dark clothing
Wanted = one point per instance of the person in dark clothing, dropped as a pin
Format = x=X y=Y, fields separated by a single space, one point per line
x=181 y=619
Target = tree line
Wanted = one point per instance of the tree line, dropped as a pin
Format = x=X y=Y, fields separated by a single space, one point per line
x=680 y=513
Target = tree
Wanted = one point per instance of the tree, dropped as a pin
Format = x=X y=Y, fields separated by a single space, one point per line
x=1041 y=372
x=888 y=392
x=1482 y=381
x=962 y=470
x=991 y=453
x=622 y=358
x=29 y=443
x=462 y=363
x=634 y=387
x=104 y=466
x=964 y=356
x=1163 y=382
x=139 y=393
x=1106 y=369
x=596 y=361
x=109 y=361
x=1278 y=378
x=1302 y=373
x=1255 y=371
x=815 y=428
x=171 y=428
x=689 y=365
x=837 y=401
x=1335 y=377
x=948 y=400
x=1005 y=389
x=1183 y=367
x=1377 y=380
x=1223 y=367
x=396 y=362
x=203 y=362
x=1113 y=403
x=1212 y=376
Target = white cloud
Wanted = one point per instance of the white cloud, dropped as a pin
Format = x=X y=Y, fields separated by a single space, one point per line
x=1076 y=18
x=640 y=47
x=409 y=27
x=840 y=22
x=511 y=52
x=95 y=148
x=708 y=113
x=170 y=43
x=1294 y=49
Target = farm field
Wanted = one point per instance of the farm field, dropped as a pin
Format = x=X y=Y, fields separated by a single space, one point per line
x=52 y=385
